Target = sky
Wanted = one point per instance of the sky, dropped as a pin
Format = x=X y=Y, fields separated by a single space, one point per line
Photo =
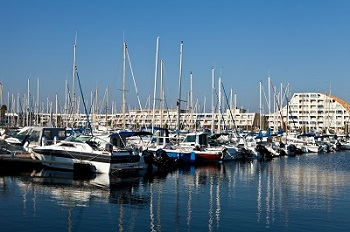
x=303 y=44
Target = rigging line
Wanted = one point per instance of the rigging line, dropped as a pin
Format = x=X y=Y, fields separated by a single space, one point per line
x=92 y=158
x=70 y=154
x=70 y=103
x=20 y=106
x=278 y=106
x=290 y=112
x=93 y=100
x=220 y=112
x=226 y=98
x=284 y=94
x=82 y=96
x=167 y=108
x=265 y=96
x=103 y=101
x=133 y=77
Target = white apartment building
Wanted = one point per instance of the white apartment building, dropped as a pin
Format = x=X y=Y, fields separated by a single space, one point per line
x=309 y=112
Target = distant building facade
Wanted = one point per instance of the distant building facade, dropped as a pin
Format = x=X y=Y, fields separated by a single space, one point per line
x=308 y=112
x=305 y=112
x=229 y=120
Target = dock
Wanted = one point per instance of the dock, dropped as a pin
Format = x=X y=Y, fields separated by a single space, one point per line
x=21 y=161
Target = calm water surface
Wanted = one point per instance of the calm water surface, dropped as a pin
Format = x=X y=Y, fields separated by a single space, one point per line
x=309 y=192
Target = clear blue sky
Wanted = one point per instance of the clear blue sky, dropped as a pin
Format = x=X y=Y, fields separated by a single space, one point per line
x=303 y=43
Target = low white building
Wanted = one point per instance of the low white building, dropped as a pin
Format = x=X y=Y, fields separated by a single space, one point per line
x=236 y=118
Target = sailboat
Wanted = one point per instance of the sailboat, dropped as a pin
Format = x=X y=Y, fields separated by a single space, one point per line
x=87 y=152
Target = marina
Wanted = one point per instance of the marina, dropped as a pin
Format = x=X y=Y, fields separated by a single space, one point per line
x=307 y=192
x=174 y=116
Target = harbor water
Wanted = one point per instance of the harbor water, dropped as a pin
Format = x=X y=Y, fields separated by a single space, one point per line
x=307 y=192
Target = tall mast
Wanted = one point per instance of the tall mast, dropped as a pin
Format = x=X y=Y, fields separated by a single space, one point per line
x=204 y=104
x=124 y=81
x=37 y=104
x=191 y=100
x=281 y=87
x=269 y=92
x=155 y=83
x=18 y=109
x=47 y=105
x=235 y=102
x=260 y=107
x=56 y=111
x=231 y=99
x=96 y=111
x=107 y=105
x=28 y=101
x=212 y=99
x=231 y=106
x=74 y=102
x=65 y=103
x=0 y=93
x=92 y=108
x=10 y=107
x=179 y=98
x=220 y=109
x=287 y=100
x=161 y=93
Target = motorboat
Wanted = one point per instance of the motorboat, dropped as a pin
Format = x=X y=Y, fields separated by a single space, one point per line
x=88 y=153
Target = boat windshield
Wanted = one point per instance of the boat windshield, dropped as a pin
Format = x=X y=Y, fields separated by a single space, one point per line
x=20 y=135
x=80 y=138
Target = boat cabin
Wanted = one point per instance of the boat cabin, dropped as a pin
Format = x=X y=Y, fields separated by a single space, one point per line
x=45 y=135
x=200 y=139
x=29 y=137
x=119 y=139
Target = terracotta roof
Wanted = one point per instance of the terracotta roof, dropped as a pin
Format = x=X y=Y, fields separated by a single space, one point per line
x=340 y=101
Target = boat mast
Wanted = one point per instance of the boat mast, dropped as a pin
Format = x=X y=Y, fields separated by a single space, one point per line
x=220 y=109
x=269 y=92
x=212 y=99
x=179 y=98
x=161 y=93
x=18 y=110
x=0 y=93
x=231 y=99
x=66 y=103
x=124 y=81
x=107 y=106
x=260 y=107
x=155 y=83
x=37 y=103
x=235 y=102
x=191 y=103
x=74 y=103
x=231 y=106
x=28 y=101
x=56 y=110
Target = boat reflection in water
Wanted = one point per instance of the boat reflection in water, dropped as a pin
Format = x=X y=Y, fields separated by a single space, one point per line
x=247 y=196
x=268 y=194
x=69 y=189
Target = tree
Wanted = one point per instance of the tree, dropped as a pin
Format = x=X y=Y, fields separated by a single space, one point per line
x=2 y=113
